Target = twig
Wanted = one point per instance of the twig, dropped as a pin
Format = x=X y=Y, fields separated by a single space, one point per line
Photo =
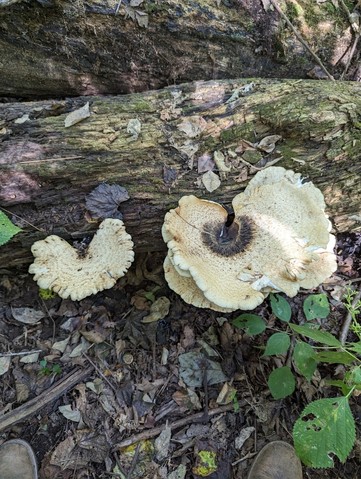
x=99 y=372
x=44 y=160
x=142 y=436
x=35 y=405
x=52 y=319
x=118 y=6
x=304 y=43
x=352 y=53
x=134 y=462
x=21 y=353
x=22 y=219
x=348 y=320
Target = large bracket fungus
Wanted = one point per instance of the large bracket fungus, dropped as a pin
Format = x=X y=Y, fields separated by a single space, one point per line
x=59 y=267
x=276 y=240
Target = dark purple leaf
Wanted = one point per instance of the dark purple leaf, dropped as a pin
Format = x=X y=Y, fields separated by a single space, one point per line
x=104 y=200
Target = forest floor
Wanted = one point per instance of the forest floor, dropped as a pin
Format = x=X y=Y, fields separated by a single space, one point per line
x=136 y=383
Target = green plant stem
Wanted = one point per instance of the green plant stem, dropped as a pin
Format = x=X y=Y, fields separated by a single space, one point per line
x=349 y=317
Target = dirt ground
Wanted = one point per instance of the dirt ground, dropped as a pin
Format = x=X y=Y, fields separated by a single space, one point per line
x=108 y=424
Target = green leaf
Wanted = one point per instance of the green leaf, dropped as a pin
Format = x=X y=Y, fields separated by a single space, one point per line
x=334 y=357
x=326 y=427
x=280 y=307
x=322 y=337
x=303 y=356
x=356 y=347
x=345 y=388
x=281 y=382
x=252 y=323
x=7 y=229
x=278 y=343
x=316 y=306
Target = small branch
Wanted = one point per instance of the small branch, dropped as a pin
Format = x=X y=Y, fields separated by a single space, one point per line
x=348 y=320
x=21 y=353
x=22 y=219
x=299 y=37
x=35 y=405
x=148 y=434
x=352 y=53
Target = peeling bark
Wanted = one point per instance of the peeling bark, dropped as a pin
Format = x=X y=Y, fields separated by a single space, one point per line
x=46 y=169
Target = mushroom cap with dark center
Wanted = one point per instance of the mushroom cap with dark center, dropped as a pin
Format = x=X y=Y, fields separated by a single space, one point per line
x=278 y=240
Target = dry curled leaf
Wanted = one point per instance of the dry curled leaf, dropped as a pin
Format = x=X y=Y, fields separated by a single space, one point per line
x=104 y=200
x=134 y=127
x=211 y=181
x=158 y=310
x=77 y=115
x=27 y=315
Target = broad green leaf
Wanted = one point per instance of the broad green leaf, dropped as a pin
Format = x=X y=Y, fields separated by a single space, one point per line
x=322 y=337
x=280 y=307
x=316 y=306
x=252 y=323
x=303 y=356
x=278 y=343
x=326 y=427
x=7 y=229
x=334 y=357
x=281 y=382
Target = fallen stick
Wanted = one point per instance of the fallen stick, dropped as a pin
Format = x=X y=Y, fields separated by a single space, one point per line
x=33 y=406
x=144 y=435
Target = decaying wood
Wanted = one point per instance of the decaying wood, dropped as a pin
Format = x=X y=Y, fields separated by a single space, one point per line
x=46 y=170
x=35 y=405
x=54 y=48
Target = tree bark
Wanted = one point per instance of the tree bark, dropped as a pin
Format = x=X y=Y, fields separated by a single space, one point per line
x=46 y=170
x=57 y=48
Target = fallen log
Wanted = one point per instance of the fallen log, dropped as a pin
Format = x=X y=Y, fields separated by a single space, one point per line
x=57 y=48
x=47 y=169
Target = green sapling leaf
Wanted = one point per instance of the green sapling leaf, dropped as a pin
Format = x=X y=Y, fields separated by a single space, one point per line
x=278 y=343
x=316 y=306
x=280 y=307
x=7 y=229
x=322 y=337
x=326 y=427
x=303 y=357
x=334 y=357
x=281 y=382
x=356 y=347
x=252 y=323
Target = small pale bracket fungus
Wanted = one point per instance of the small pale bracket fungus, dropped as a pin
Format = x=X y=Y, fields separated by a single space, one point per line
x=59 y=267
x=276 y=240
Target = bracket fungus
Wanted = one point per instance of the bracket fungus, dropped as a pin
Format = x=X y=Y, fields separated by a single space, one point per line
x=59 y=267
x=277 y=239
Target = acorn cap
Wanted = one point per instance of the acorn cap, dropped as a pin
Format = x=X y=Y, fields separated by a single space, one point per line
x=60 y=267
x=277 y=240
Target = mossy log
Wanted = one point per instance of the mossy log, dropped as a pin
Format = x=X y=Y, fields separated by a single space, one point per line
x=58 y=48
x=46 y=170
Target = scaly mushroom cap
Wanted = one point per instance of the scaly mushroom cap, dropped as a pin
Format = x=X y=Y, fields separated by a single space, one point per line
x=278 y=240
x=187 y=288
x=59 y=267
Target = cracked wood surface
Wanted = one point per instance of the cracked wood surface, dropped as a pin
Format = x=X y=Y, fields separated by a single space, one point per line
x=46 y=169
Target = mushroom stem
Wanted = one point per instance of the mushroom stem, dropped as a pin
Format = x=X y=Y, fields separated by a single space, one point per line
x=229 y=230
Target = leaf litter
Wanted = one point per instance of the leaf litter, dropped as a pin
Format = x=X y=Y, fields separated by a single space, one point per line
x=185 y=363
